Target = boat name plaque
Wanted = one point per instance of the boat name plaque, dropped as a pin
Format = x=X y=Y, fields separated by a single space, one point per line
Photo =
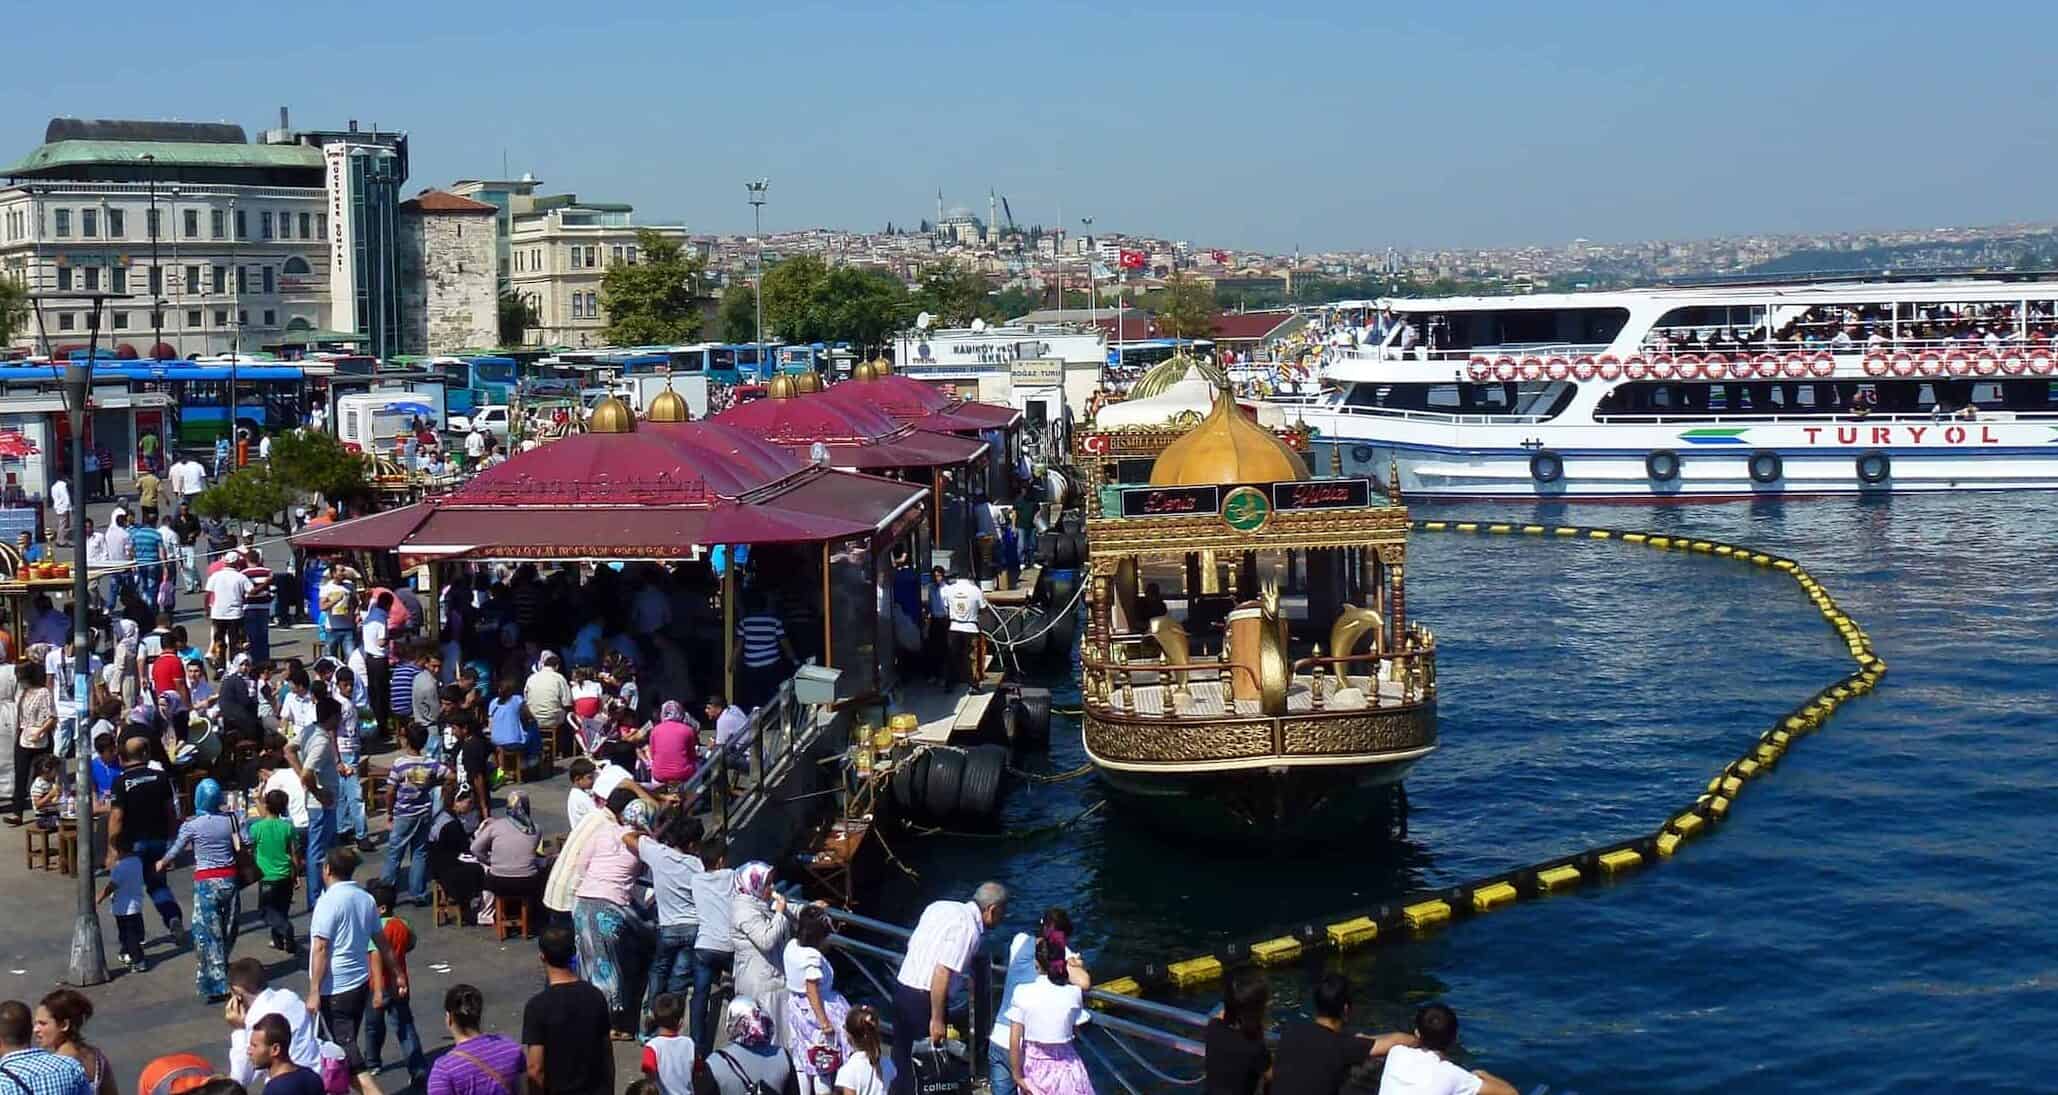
x=1170 y=501
x=1322 y=494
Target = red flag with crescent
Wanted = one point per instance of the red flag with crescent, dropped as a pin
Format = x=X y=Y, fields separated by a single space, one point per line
x=1132 y=260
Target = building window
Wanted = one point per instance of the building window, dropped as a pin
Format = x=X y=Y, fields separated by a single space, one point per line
x=221 y=317
x=121 y=320
x=242 y=278
x=64 y=224
x=592 y=257
x=217 y=224
x=192 y=317
x=92 y=279
x=632 y=254
x=65 y=321
x=304 y=220
x=157 y=281
x=242 y=224
x=616 y=255
x=296 y=265
x=220 y=279
x=89 y=223
x=118 y=279
x=192 y=279
x=64 y=279
x=192 y=219
x=116 y=224
x=264 y=224
x=242 y=317
x=321 y=226
x=153 y=222
x=271 y=318
x=270 y=283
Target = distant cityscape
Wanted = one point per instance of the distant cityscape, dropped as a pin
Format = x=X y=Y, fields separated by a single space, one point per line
x=212 y=242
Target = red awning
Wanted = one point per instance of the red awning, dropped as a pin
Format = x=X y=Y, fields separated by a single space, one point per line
x=843 y=493
x=908 y=448
x=917 y=404
x=378 y=532
x=658 y=532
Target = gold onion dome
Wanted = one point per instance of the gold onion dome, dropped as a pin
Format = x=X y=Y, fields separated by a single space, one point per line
x=669 y=406
x=612 y=416
x=810 y=381
x=1171 y=371
x=779 y=387
x=881 y=366
x=1227 y=447
x=864 y=371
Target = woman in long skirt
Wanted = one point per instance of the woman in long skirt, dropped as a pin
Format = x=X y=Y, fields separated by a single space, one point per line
x=815 y=1011
x=615 y=946
x=761 y=927
x=217 y=900
x=1042 y=1018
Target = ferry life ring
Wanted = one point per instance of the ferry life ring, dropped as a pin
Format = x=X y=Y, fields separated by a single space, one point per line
x=1823 y=364
x=1657 y=368
x=1557 y=368
x=1685 y=367
x=1959 y=363
x=2014 y=363
x=1796 y=366
x=1768 y=366
x=1583 y=368
x=1610 y=370
x=1532 y=368
x=1903 y=364
x=1765 y=467
x=1988 y=363
x=1478 y=369
x=1546 y=466
x=1504 y=369
x=1714 y=366
x=1874 y=467
x=1661 y=465
x=1362 y=453
x=1875 y=364
x=1930 y=363
x=2040 y=362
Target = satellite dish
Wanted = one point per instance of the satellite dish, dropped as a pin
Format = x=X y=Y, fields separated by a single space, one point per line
x=924 y=320
x=978 y=325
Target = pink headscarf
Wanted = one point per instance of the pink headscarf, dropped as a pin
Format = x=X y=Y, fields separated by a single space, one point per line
x=755 y=879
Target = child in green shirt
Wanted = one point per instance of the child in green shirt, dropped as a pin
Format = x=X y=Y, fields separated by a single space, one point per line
x=273 y=845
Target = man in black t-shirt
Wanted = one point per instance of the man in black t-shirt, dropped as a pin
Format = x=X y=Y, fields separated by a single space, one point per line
x=146 y=810
x=566 y=1027
x=1316 y=1058
x=474 y=758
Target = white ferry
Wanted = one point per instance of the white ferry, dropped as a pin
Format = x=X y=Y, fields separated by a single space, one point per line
x=1705 y=392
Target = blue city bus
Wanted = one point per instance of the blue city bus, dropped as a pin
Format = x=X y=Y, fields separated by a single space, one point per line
x=268 y=397
x=737 y=362
x=473 y=382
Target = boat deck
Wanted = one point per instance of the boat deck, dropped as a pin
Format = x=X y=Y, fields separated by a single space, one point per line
x=1211 y=699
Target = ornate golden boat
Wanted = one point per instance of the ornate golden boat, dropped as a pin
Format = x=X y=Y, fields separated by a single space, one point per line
x=1218 y=702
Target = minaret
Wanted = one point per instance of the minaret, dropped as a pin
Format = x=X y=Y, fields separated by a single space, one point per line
x=938 y=222
x=992 y=217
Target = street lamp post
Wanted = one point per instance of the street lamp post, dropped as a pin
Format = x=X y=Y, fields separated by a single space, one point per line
x=757 y=219
x=1092 y=282
x=236 y=314
x=156 y=268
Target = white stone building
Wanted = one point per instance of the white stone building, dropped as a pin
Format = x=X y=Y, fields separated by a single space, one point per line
x=448 y=297
x=560 y=248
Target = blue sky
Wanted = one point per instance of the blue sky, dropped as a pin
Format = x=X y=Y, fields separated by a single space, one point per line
x=1317 y=124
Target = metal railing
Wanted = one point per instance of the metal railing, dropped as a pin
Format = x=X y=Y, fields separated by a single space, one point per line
x=1162 y=1033
x=733 y=778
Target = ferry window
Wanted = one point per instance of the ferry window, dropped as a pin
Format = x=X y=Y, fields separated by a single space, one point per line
x=1527 y=326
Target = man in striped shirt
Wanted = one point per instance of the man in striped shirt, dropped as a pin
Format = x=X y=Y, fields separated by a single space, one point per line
x=762 y=653
x=257 y=605
x=147 y=548
x=941 y=950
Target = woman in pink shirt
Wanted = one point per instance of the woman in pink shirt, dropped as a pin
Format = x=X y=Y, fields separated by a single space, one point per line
x=615 y=946
x=674 y=745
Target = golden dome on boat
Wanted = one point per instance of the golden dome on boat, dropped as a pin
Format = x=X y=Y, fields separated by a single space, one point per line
x=1227 y=447
x=881 y=366
x=810 y=381
x=1171 y=371
x=864 y=371
x=779 y=387
x=669 y=406
x=612 y=416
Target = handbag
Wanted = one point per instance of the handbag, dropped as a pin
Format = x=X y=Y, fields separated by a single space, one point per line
x=335 y=1063
x=246 y=860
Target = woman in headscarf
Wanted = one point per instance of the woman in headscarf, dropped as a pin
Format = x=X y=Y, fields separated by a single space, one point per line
x=674 y=745
x=506 y=847
x=751 y=1061
x=762 y=927
x=449 y=860
x=217 y=899
x=615 y=946
x=237 y=706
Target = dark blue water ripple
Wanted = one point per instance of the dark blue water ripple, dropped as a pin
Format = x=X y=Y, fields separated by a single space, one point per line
x=1874 y=917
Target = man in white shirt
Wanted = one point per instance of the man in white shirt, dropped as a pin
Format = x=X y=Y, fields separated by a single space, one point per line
x=1415 y=1063
x=226 y=590
x=941 y=949
x=60 y=510
x=251 y=994
x=963 y=599
x=193 y=481
x=475 y=446
x=264 y=447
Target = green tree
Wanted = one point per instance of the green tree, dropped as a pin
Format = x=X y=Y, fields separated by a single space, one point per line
x=14 y=307
x=739 y=312
x=655 y=299
x=806 y=301
x=792 y=288
x=955 y=295
x=310 y=462
x=517 y=315
x=251 y=495
x=1186 y=309
x=1015 y=301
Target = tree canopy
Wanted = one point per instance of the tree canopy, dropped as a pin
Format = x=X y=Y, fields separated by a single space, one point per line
x=955 y=295
x=739 y=312
x=654 y=299
x=14 y=308
x=1186 y=309
x=313 y=462
x=252 y=495
x=516 y=317
x=806 y=301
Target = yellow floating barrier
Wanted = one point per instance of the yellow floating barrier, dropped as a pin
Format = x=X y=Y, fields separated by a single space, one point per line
x=1352 y=933
x=1747 y=768
x=1622 y=859
x=1564 y=530
x=1731 y=785
x=1719 y=807
x=1634 y=538
x=1121 y=986
x=1600 y=534
x=1195 y=971
x=1503 y=529
x=1688 y=824
x=1488 y=898
x=1562 y=877
x=1426 y=914
x=1271 y=952
x=1667 y=843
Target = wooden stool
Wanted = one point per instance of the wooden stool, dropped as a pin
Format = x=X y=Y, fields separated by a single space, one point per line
x=509 y=759
x=68 y=848
x=440 y=906
x=510 y=917
x=42 y=848
x=373 y=783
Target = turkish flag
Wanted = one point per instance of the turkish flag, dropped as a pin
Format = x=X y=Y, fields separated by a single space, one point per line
x=1132 y=260
x=1219 y=256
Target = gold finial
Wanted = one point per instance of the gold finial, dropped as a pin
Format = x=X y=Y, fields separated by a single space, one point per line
x=779 y=387
x=863 y=371
x=881 y=366
x=669 y=406
x=612 y=416
x=804 y=383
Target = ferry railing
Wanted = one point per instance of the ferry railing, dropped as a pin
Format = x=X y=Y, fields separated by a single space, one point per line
x=1839 y=418
x=1157 y=1026
x=733 y=779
